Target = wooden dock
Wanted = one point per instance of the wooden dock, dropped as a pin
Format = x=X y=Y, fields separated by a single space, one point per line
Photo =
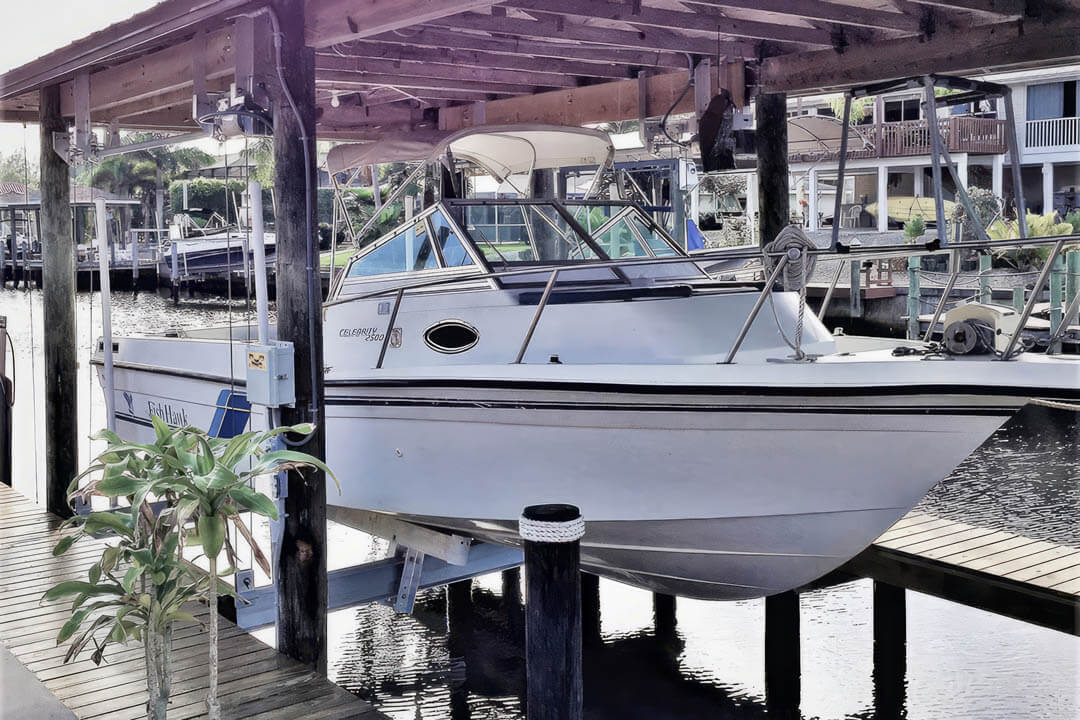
x=255 y=680
x=1003 y=572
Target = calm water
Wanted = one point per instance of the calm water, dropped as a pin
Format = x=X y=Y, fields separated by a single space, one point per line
x=454 y=663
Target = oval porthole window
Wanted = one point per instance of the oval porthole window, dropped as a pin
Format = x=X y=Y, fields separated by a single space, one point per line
x=451 y=336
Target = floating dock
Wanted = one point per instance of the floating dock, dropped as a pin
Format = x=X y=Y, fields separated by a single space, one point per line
x=256 y=681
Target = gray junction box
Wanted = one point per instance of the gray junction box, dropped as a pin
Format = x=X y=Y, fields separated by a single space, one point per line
x=270 y=379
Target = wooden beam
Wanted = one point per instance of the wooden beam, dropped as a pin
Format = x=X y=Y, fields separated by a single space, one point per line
x=352 y=117
x=330 y=22
x=300 y=574
x=994 y=46
x=651 y=17
x=644 y=38
x=464 y=58
x=58 y=298
x=998 y=8
x=823 y=11
x=154 y=26
x=151 y=75
x=325 y=64
x=343 y=79
x=605 y=102
x=439 y=38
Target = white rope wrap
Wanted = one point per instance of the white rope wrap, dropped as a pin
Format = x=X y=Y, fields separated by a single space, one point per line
x=551 y=532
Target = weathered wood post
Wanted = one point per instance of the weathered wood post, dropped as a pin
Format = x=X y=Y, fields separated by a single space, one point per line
x=1018 y=299
x=551 y=535
x=590 y=610
x=174 y=273
x=301 y=571
x=985 y=262
x=914 y=298
x=664 y=624
x=1072 y=281
x=1057 y=292
x=770 y=140
x=58 y=283
x=855 y=294
x=782 y=666
x=890 y=649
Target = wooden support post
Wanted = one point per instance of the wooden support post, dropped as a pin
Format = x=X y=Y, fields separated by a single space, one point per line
x=770 y=139
x=1057 y=292
x=7 y=397
x=664 y=624
x=914 y=298
x=1018 y=299
x=58 y=283
x=782 y=667
x=855 y=298
x=985 y=261
x=551 y=537
x=174 y=274
x=301 y=572
x=460 y=633
x=1072 y=282
x=890 y=649
x=590 y=610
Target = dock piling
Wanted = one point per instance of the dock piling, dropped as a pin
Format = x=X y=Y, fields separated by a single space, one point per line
x=1072 y=283
x=58 y=284
x=770 y=116
x=174 y=274
x=985 y=262
x=890 y=648
x=664 y=624
x=301 y=579
x=1057 y=290
x=782 y=662
x=551 y=535
x=1018 y=299
x=914 y=298
x=6 y=401
x=855 y=298
x=590 y=610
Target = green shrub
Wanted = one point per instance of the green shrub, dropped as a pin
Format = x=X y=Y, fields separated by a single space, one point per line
x=914 y=228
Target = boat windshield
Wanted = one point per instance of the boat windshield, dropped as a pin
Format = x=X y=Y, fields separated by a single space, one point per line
x=509 y=232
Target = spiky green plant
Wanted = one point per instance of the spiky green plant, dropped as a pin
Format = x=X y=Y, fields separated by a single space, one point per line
x=142 y=581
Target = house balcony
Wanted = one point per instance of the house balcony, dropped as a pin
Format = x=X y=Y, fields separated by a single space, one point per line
x=960 y=134
x=1052 y=135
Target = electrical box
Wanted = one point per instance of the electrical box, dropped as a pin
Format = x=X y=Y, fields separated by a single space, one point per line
x=270 y=377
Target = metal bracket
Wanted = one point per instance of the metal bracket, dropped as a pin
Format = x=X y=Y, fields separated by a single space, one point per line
x=244 y=580
x=410 y=581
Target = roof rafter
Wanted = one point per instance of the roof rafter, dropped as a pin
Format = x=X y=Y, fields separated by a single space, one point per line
x=479 y=58
x=653 y=38
x=651 y=17
x=329 y=22
x=365 y=65
x=440 y=38
x=819 y=10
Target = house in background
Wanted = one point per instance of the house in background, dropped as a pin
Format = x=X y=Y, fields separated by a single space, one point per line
x=888 y=152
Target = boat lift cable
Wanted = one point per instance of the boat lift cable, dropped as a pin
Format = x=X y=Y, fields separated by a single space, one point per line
x=689 y=84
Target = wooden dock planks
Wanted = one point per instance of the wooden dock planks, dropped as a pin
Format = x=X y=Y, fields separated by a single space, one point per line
x=255 y=680
x=1034 y=580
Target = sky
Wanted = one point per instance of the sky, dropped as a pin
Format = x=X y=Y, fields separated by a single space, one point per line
x=33 y=29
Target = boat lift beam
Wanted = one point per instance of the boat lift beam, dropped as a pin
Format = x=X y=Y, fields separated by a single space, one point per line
x=380 y=581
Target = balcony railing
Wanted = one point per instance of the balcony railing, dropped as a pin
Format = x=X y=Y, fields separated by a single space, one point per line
x=1054 y=133
x=912 y=137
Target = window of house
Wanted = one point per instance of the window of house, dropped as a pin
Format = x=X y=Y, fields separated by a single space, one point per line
x=899 y=110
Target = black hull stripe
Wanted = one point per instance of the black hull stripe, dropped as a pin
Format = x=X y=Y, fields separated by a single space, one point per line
x=994 y=411
x=720 y=390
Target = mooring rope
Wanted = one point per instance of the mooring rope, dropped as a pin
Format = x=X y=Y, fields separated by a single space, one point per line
x=1057 y=404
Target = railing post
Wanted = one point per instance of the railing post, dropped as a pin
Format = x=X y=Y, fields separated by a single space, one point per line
x=1057 y=288
x=855 y=298
x=914 y=298
x=985 y=261
x=1018 y=299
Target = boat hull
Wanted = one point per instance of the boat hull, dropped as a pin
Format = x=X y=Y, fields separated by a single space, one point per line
x=705 y=496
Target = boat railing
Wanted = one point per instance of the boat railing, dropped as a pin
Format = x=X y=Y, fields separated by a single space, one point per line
x=779 y=259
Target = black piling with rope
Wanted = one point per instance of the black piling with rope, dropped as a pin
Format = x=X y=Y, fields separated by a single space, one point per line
x=551 y=537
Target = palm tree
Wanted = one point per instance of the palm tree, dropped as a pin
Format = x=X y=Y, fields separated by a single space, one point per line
x=144 y=174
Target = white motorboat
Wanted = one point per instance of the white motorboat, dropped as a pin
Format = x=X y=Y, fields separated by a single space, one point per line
x=493 y=354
